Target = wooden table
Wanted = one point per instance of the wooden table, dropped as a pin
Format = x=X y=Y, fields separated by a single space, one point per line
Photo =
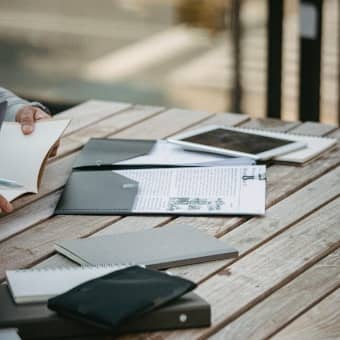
x=285 y=282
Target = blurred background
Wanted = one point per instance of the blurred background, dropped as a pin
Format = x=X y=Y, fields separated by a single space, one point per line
x=174 y=53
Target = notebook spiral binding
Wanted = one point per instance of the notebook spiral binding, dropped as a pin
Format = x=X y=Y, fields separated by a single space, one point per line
x=280 y=133
x=82 y=267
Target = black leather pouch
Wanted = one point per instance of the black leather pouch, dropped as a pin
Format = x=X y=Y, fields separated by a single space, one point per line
x=110 y=300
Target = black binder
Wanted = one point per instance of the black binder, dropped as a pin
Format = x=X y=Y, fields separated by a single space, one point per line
x=36 y=321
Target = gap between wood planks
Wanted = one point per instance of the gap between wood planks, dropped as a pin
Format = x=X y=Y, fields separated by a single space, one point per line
x=286 y=304
x=218 y=117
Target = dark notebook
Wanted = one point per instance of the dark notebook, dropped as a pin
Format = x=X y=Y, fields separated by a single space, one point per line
x=119 y=297
x=36 y=321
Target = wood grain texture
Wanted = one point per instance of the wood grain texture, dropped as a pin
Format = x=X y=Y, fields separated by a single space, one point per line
x=169 y=122
x=134 y=223
x=35 y=244
x=28 y=216
x=321 y=322
x=259 y=230
x=58 y=172
x=270 y=124
x=278 y=251
x=253 y=278
x=90 y=112
x=106 y=127
x=223 y=118
x=287 y=303
x=225 y=224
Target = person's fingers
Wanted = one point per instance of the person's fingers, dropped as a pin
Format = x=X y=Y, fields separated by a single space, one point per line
x=5 y=206
x=25 y=117
x=40 y=114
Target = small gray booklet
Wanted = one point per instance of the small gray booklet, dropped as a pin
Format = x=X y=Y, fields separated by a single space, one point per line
x=158 y=248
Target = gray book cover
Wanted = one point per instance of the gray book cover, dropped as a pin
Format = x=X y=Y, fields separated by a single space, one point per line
x=158 y=248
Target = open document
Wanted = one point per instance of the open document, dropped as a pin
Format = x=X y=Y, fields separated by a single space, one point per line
x=201 y=190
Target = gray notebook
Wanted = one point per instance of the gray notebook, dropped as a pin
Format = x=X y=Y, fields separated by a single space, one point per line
x=158 y=248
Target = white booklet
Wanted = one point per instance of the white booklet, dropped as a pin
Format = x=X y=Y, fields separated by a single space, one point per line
x=38 y=285
x=203 y=190
x=23 y=157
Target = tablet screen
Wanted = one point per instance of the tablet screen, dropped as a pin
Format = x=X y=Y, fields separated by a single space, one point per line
x=237 y=141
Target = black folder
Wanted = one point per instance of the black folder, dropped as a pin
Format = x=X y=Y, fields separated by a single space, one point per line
x=96 y=188
x=36 y=321
x=92 y=188
x=101 y=154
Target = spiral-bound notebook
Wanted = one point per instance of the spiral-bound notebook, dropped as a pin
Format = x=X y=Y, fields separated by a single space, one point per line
x=38 y=285
x=315 y=146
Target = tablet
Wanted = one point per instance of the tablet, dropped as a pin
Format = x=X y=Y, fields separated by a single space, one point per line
x=236 y=142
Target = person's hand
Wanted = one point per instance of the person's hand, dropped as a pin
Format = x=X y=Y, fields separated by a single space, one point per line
x=27 y=116
x=5 y=206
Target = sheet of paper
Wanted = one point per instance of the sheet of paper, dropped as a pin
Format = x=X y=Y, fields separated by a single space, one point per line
x=21 y=156
x=164 y=153
x=203 y=190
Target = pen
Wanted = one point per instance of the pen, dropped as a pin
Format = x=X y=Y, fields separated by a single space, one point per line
x=9 y=183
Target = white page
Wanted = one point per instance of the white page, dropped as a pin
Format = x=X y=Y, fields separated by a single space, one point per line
x=37 y=285
x=205 y=190
x=167 y=153
x=314 y=145
x=21 y=156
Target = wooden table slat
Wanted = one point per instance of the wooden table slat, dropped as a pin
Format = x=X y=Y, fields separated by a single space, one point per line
x=89 y=113
x=321 y=322
x=57 y=172
x=289 y=259
x=253 y=278
x=106 y=127
x=287 y=303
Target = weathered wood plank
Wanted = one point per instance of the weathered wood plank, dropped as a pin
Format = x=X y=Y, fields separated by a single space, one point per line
x=270 y=124
x=106 y=127
x=321 y=322
x=223 y=118
x=282 y=180
x=315 y=129
x=228 y=224
x=286 y=303
x=29 y=215
x=166 y=124
x=36 y=243
x=134 y=223
x=249 y=235
x=250 y=280
x=90 y=112
x=259 y=230
x=59 y=171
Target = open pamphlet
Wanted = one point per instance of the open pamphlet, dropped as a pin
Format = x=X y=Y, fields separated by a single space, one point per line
x=23 y=157
x=217 y=190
